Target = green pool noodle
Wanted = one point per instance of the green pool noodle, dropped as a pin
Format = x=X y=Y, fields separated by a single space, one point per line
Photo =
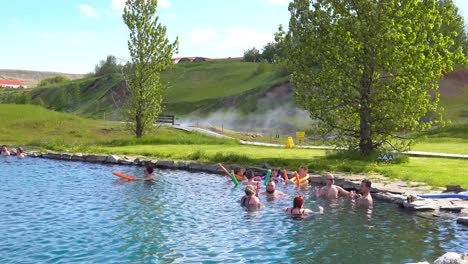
x=234 y=179
x=267 y=179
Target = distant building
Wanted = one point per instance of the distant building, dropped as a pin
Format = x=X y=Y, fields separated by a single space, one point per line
x=189 y=59
x=12 y=84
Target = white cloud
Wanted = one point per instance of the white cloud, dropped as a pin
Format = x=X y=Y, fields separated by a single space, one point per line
x=88 y=10
x=200 y=36
x=120 y=4
x=164 y=3
x=277 y=2
x=244 y=38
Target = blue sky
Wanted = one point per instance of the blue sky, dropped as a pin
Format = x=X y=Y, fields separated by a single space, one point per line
x=73 y=35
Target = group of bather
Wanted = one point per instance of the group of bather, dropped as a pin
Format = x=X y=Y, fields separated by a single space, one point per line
x=19 y=152
x=330 y=191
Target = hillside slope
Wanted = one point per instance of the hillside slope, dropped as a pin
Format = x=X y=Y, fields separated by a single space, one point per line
x=32 y=78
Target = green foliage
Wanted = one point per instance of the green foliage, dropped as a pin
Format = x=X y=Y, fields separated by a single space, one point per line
x=151 y=54
x=453 y=25
x=272 y=52
x=108 y=66
x=252 y=55
x=23 y=98
x=365 y=69
x=39 y=102
x=53 y=80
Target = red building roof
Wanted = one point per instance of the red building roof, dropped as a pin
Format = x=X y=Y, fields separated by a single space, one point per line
x=12 y=82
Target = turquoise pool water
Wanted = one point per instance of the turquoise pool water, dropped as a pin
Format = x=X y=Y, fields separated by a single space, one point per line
x=73 y=212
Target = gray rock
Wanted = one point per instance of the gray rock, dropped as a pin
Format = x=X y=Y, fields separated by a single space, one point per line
x=349 y=186
x=451 y=258
x=210 y=168
x=462 y=221
x=95 y=158
x=181 y=165
x=66 y=156
x=194 y=166
x=165 y=164
x=77 y=157
x=51 y=155
x=125 y=162
x=112 y=159
x=316 y=179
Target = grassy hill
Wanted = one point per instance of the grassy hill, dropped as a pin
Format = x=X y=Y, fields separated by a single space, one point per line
x=32 y=78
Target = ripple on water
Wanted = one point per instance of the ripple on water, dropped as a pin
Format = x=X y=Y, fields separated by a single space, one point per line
x=62 y=212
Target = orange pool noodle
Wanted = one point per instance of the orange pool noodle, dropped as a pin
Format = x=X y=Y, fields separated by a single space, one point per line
x=285 y=175
x=296 y=175
x=123 y=176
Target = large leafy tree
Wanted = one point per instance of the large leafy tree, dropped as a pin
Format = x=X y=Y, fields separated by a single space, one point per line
x=151 y=54
x=368 y=69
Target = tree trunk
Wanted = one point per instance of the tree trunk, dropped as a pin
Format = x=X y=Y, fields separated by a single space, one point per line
x=365 y=133
x=365 y=139
x=138 y=126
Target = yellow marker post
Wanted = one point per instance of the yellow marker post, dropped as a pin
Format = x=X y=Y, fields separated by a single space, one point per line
x=289 y=142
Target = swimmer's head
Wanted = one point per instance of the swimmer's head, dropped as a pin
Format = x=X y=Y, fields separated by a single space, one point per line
x=329 y=178
x=238 y=170
x=149 y=169
x=249 y=190
x=298 y=201
x=250 y=174
x=274 y=173
x=20 y=150
x=302 y=171
x=366 y=185
x=271 y=187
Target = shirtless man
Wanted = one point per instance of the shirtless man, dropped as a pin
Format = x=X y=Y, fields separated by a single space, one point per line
x=148 y=172
x=271 y=190
x=364 y=200
x=331 y=191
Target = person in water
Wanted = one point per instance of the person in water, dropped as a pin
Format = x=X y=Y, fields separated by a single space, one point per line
x=271 y=190
x=298 y=208
x=20 y=153
x=239 y=173
x=148 y=174
x=331 y=191
x=5 y=151
x=250 y=178
x=275 y=176
x=364 y=200
x=302 y=174
x=250 y=201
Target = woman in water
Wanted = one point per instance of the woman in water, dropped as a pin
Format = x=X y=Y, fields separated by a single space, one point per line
x=5 y=151
x=298 y=208
x=20 y=153
x=250 y=201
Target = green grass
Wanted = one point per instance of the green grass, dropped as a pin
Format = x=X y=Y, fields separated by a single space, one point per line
x=193 y=82
x=450 y=139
